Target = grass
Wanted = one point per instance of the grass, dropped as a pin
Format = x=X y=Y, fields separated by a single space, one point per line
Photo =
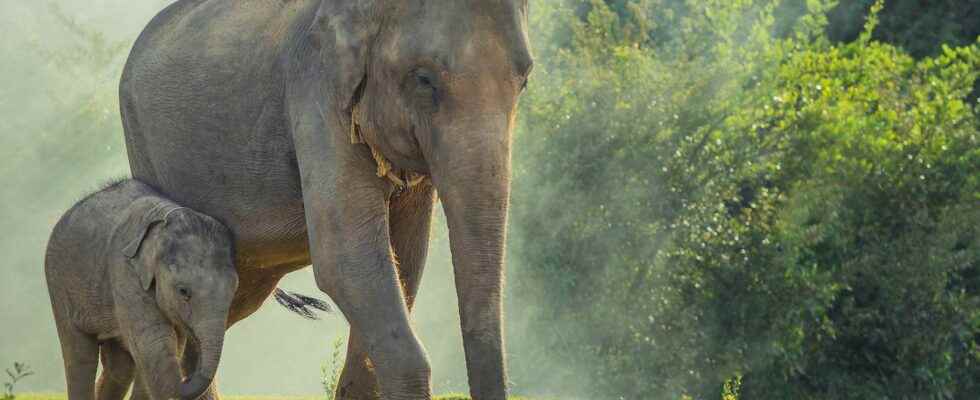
x=456 y=396
x=329 y=374
x=57 y=396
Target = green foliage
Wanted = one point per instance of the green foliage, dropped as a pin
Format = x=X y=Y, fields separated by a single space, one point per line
x=798 y=214
x=18 y=372
x=856 y=219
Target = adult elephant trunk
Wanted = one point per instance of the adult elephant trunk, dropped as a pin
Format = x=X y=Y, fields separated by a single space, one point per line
x=470 y=167
x=209 y=337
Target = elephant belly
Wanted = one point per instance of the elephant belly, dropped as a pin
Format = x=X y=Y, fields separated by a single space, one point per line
x=243 y=173
x=204 y=117
x=263 y=210
x=275 y=239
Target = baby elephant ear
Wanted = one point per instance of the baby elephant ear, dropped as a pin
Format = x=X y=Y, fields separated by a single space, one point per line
x=139 y=220
x=133 y=247
x=144 y=270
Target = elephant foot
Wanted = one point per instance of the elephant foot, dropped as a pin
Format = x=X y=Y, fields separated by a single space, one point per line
x=358 y=384
x=353 y=391
x=358 y=380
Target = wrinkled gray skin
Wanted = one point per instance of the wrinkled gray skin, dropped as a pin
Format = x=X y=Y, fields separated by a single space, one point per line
x=242 y=109
x=135 y=277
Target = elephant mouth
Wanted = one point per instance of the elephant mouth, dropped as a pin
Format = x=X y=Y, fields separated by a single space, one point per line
x=402 y=179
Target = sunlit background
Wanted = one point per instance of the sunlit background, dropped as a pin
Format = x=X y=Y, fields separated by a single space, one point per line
x=712 y=198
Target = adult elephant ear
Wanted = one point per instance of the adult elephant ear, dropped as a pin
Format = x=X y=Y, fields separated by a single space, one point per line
x=343 y=32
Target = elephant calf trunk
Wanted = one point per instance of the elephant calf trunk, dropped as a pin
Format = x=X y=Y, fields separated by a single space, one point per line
x=209 y=336
x=194 y=387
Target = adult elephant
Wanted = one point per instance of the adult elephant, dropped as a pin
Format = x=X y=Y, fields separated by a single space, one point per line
x=317 y=130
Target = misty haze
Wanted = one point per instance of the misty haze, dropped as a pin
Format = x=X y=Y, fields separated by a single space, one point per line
x=762 y=199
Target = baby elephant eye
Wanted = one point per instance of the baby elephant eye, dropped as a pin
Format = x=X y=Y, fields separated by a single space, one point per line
x=184 y=292
x=425 y=79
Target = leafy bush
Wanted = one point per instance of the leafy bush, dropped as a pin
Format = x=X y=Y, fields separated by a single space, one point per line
x=724 y=204
x=856 y=220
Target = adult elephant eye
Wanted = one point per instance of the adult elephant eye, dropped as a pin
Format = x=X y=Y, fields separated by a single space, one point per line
x=184 y=293
x=425 y=88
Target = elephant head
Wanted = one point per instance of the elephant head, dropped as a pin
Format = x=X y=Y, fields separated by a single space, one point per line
x=187 y=260
x=432 y=86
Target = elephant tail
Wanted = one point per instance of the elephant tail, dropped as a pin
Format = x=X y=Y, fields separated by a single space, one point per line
x=305 y=306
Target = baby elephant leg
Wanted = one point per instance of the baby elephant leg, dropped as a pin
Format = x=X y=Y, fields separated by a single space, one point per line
x=156 y=363
x=81 y=356
x=139 y=389
x=117 y=372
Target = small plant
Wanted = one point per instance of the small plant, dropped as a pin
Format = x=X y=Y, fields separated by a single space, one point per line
x=330 y=370
x=732 y=388
x=20 y=371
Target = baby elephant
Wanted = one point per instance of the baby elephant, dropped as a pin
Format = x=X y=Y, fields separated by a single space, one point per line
x=135 y=277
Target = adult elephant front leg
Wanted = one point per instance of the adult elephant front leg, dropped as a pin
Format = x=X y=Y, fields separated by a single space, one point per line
x=353 y=264
x=347 y=220
x=410 y=216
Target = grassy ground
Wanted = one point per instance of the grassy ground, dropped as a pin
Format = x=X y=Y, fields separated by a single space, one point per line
x=54 y=396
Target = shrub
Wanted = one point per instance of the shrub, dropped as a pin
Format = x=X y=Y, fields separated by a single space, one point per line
x=724 y=204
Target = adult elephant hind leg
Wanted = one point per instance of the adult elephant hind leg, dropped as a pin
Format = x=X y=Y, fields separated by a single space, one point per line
x=410 y=218
x=117 y=372
x=410 y=214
